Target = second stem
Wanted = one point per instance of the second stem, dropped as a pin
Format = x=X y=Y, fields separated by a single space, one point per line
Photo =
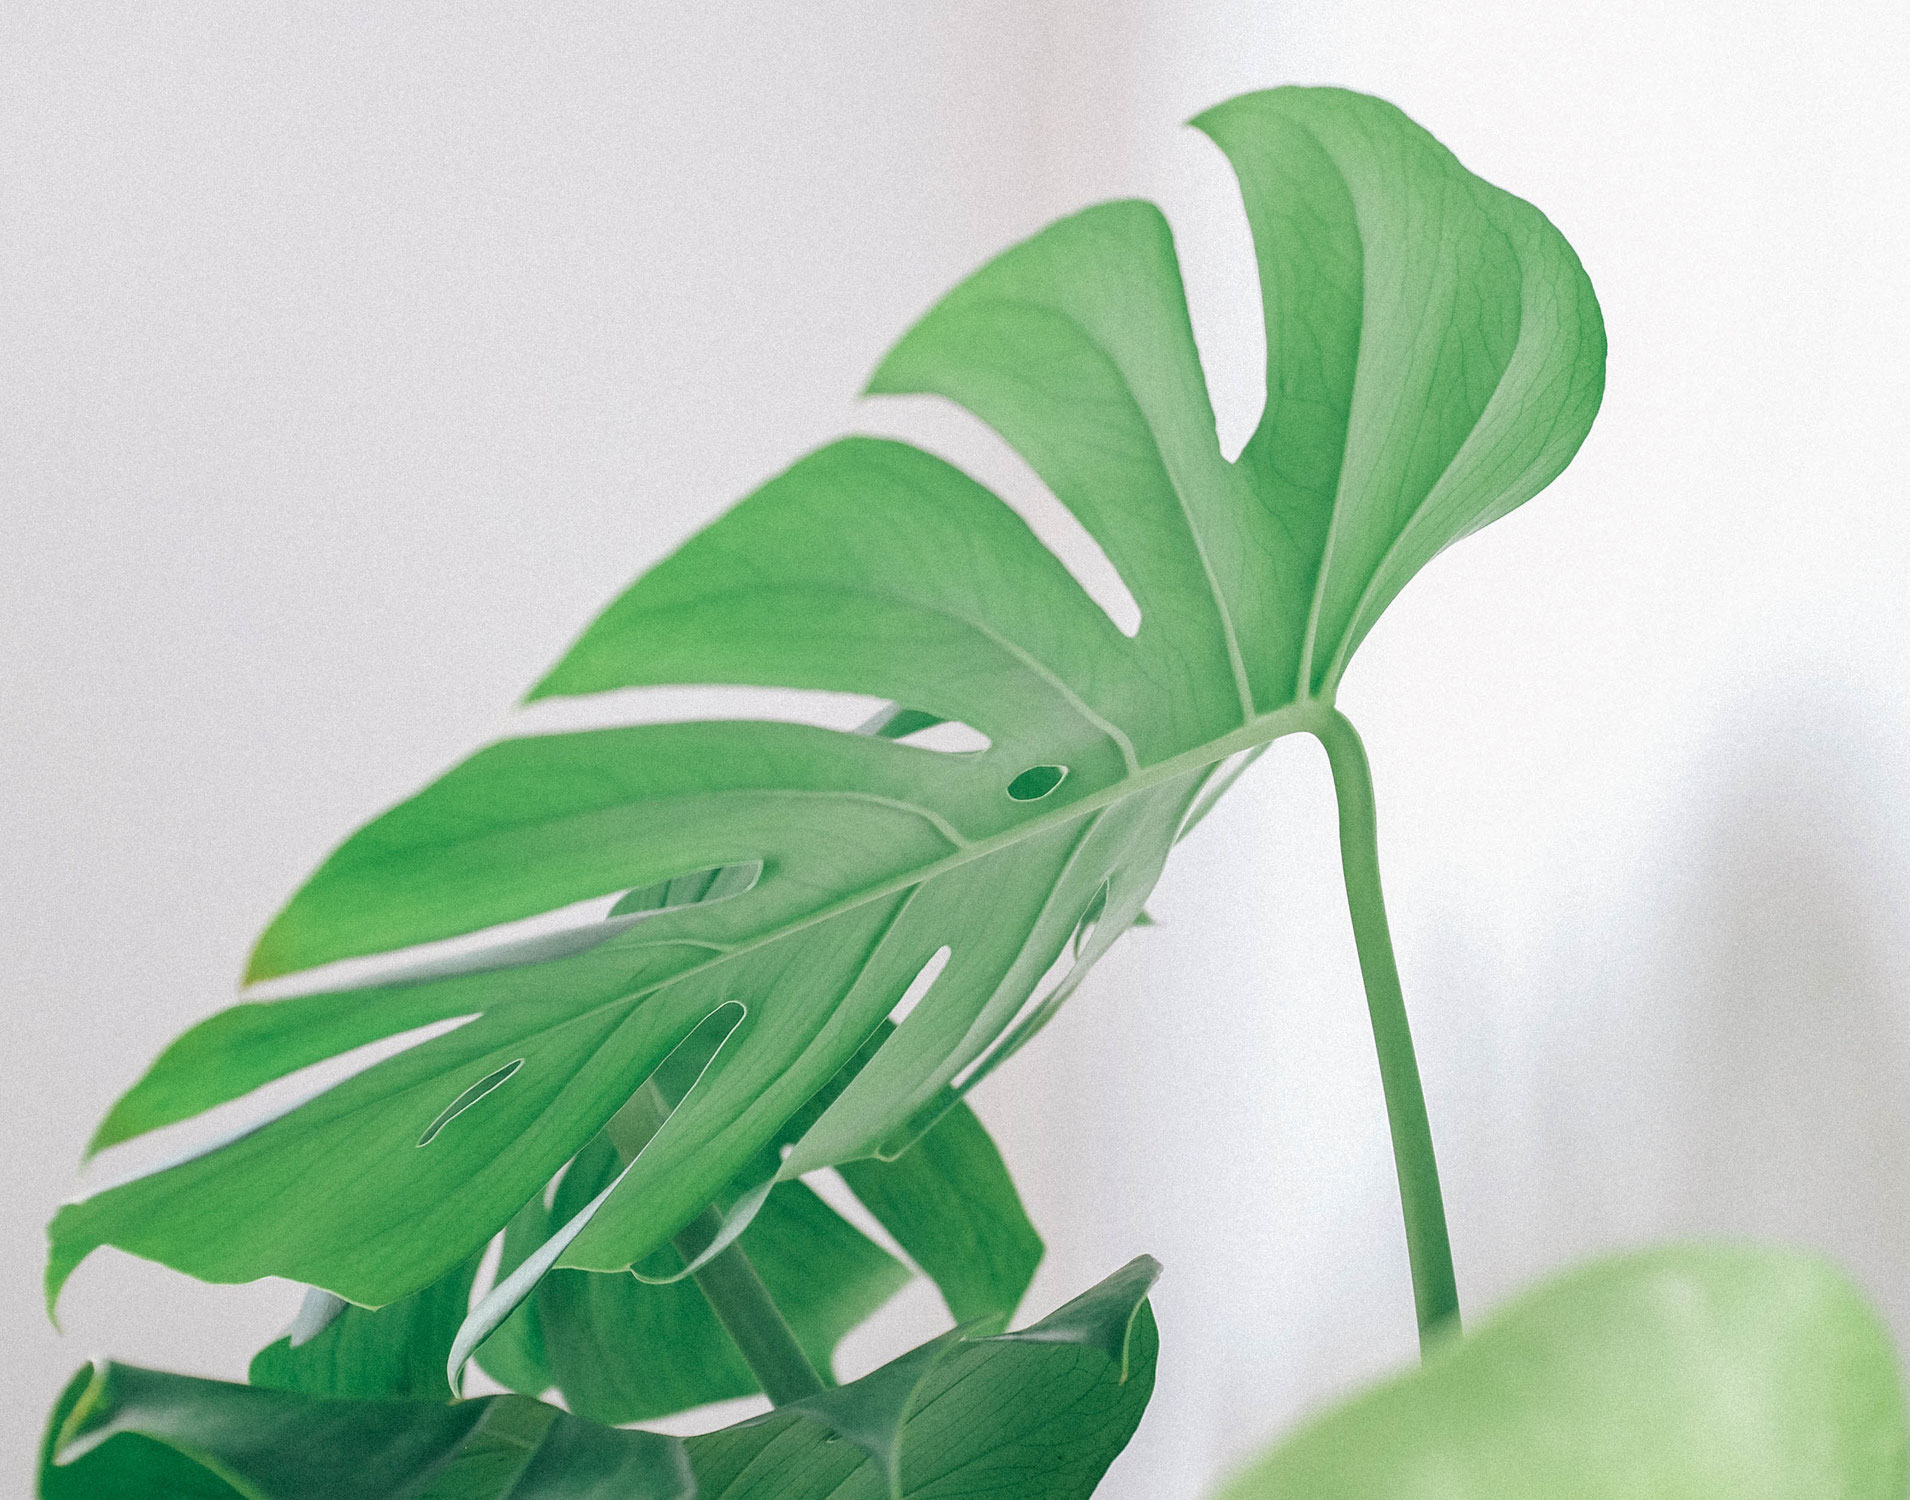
x=728 y=1281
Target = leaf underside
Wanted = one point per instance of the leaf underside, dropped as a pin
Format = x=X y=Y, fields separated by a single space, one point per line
x=1435 y=356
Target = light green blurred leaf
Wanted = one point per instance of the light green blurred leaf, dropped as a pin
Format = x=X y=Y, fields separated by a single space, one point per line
x=1435 y=356
x=1722 y=1373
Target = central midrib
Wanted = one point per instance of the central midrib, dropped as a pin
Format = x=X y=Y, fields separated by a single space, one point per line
x=1295 y=718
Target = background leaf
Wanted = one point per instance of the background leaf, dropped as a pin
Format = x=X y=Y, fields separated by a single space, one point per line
x=1434 y=358
x=1679 y=1374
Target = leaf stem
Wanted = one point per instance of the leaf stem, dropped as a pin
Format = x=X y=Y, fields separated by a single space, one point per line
x=728 y=1280
x=1435 y=1291
x=749 y=1314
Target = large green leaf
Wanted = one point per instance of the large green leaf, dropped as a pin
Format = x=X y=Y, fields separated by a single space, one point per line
x=1435 y=357
x=1033 y=1415
x=1677 y=1374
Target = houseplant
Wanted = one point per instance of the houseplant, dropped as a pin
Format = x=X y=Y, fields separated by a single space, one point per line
x=814 y=943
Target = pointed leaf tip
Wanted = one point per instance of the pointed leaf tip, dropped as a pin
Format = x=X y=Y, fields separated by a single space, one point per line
x=1102 y=1317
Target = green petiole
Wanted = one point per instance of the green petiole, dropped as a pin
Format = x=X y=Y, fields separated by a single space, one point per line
x=1435 y=1292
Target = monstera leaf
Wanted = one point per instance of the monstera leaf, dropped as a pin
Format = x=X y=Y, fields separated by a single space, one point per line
x=1033 y=1415
x=1435 y=356
x=1685 y=1373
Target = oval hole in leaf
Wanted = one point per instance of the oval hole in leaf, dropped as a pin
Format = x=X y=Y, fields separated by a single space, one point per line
x=694 y=889
x=489 y=1083
x=1036 y=782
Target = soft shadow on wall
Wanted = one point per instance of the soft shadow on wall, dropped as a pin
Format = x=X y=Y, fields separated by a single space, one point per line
x=1794 y=989
x=1730 y=1060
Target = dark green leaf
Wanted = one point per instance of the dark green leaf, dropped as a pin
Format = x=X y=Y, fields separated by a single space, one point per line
x=1034 y=1415
x=126 y=1466
x=951 y=1204
x=1678 y=1374
x=398 y=1351
x=1435 y=356
x=133 y=1434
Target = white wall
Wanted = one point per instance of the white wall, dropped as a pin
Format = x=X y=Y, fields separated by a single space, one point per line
x=353 y=355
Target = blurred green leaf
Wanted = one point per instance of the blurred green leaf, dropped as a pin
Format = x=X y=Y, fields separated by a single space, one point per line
x=128 y=1466
x=1719 y=1373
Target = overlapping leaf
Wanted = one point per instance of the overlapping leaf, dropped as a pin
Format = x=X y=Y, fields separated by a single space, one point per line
x=1033 y=1415
x=624 y=1349
x=1434 y=358
x=399 y=1350
x=123 y=1433
x=1686 y=1373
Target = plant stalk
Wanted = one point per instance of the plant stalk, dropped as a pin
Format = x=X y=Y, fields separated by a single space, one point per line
x=1428 y=1250
x=728 y=1280
x=749 y=1314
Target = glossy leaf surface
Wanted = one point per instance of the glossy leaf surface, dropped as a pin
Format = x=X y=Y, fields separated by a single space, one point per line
x=1677 y=1374
x=1435 y=357
x=1033 y=1415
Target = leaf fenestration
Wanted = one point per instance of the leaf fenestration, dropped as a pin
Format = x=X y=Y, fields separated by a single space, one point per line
x=1435 y=357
